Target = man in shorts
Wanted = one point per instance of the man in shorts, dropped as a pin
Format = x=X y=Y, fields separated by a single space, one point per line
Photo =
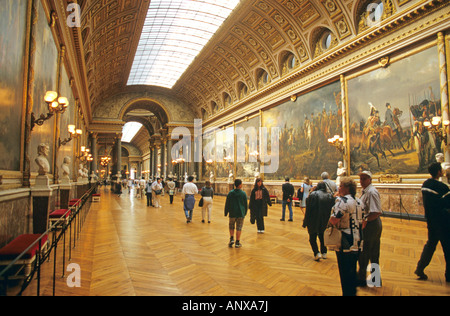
x=236 y=207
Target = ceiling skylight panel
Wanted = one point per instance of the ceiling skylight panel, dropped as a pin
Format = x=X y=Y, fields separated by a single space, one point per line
x=130 y=130
x=174 y=33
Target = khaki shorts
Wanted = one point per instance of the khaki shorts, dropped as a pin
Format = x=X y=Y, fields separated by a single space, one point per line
x=237 y=222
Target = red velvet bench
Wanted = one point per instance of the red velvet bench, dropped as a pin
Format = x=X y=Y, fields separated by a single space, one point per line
x=296 y=201
x=56 y=215
x=12 y=250
x=74 y=202
x=273 y=198
x=96 y=197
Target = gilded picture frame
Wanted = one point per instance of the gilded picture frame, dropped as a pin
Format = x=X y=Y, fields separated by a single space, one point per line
x=387 y=106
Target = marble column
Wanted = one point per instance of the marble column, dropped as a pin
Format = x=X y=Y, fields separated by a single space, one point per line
x=94 y=150
x=169 y=156
x=163 y=158
x=150 y=163
x=119 y=154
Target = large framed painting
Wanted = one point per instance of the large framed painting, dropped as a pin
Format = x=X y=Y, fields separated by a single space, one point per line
x=247 y=148
x=388 y=113
x=67 y=118
x=209 y=152
x=13 y=17
x=224 y=152
x=305 y=125
x=45 y=73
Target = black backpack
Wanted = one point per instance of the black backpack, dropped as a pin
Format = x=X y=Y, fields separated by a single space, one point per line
x=300 y=193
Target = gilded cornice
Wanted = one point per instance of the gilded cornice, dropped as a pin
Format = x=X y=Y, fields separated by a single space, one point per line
x=419 y=22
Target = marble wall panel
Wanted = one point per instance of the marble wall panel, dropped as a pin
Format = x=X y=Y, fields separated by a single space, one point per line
x=15 y=219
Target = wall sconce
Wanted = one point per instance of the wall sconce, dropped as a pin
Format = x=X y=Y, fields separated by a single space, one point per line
x=55 y=105
x=338 y=142
x=74 y=133
x=438 y=127
x=85 y=154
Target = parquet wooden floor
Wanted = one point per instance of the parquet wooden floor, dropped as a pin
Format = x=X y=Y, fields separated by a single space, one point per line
x=129 y=249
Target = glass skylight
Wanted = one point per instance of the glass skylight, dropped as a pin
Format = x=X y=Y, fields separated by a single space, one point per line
x=174 y=33
x=130 y=130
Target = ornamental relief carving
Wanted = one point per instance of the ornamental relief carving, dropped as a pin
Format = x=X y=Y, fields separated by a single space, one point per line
x=264 y=30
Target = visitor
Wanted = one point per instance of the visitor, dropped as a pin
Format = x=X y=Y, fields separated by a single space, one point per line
x=349 y=225
x=171 y=185
x=259 y=199
x=148 y=192
x=188 y=197
x=142 y=186
x=236 y=208
x=207 y=194
x=372 y=227
x=304 y=190
x=330 y=185
x=318 y=209
x=288 y=195
x=436 y=201
x=157 y=191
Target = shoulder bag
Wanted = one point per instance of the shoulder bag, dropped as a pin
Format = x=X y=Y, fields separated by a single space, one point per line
x=333 y=238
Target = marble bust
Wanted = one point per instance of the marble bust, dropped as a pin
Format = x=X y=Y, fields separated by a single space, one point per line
x=230 y=178
x=81 y=171
x=65 y=167
x=257 y=174
x=341 y=172
x=41 y=160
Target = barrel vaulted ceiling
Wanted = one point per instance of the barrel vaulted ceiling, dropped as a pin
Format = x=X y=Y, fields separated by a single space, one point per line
x=260 y=37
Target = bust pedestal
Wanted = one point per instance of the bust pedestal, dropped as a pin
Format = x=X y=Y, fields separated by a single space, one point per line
x=41 y=194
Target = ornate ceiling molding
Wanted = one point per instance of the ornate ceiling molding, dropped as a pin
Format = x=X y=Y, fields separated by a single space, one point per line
x=254 y=38
x=110 y=33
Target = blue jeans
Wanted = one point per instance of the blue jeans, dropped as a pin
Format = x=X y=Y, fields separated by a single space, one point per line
x=289 y=204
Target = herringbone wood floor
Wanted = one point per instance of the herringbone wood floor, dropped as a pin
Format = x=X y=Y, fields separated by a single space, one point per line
x=127 y=248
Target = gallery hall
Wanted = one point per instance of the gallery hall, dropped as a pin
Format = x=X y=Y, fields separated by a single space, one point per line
x=250 y=149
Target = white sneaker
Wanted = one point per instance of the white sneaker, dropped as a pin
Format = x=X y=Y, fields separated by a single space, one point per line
x=318 y=257
x=324 y=256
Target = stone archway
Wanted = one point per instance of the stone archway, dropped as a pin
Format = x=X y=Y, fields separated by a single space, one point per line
x=147 y=104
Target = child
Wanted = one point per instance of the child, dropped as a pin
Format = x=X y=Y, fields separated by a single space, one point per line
x=236 y=206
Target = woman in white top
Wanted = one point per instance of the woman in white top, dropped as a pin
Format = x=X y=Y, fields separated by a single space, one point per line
x=305 y=188
x=171 y=186
x=347 y=216
x=189 y=191
x=157 y=190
